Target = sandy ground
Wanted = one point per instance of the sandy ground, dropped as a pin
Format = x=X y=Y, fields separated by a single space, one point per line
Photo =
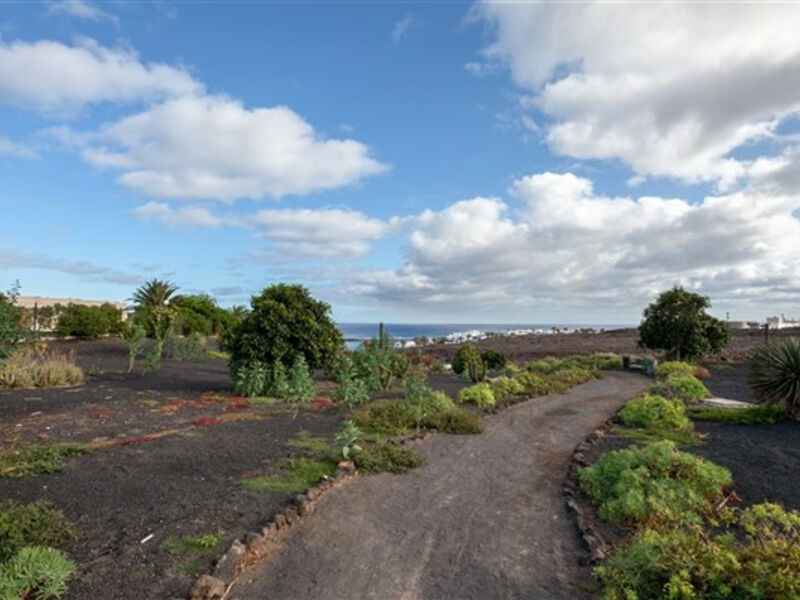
x=484 y=518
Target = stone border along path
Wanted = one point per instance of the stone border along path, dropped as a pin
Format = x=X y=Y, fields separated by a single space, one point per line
x=484 y=518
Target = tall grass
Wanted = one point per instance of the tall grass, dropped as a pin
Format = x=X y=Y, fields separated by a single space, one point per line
x=29 y=367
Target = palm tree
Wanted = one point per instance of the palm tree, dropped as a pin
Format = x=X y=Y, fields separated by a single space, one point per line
x=153 y=294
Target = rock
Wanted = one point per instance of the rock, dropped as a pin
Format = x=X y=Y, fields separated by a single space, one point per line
x=229 y=563
x=725 y=403
x=306 y=508
x=207 y=588
x=347 y=466
x=291 y=516
x=269 y=530
x=280 y=521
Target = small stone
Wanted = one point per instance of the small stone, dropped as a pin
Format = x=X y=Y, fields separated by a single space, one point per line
x=306 y=508
x=291 y=515
x=347 y=466
x=314 y=493
x=207 y=588
x=280 y=521
x=229 y=563
x=269 y=530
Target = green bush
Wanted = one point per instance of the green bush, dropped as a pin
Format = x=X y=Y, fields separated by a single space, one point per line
x=300 y=389
x=757 y=557
x=506 y=387
x=656 y=484
x=574 y=375
x=250 y=378
x=493 y=359
x=378 y=364
x=774 y=374
x=351 y=393
x=285 y=322
x=677 y=322
x=200 y=314
x=463 y=356
x=674 y=368
x=761 y=413
x=542 y=366
x=454 y=420
x=25 y=460
x=133 y=335
x=384 y=457
x=193 y=347
x=11 y=330
x=538 y=385
x=686 y=388
x=655 y=413
x=89 y=321
x=390 y=417
x=35 y=524
x=35 y=572
x=480 y=394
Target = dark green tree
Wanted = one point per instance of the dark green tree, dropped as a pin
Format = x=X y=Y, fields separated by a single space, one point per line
x=199 y=313
x=284 y=322
x=677 y=323
x=11 y=332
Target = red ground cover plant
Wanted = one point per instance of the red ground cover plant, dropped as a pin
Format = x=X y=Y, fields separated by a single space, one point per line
x=206 y=421
x=234 y=403
x=136 y=440
x=103 y=413
x=323 y=402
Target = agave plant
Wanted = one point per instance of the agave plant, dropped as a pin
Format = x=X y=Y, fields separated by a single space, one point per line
x=774 y=374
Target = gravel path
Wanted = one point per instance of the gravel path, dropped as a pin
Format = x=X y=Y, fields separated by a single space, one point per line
x=484 y=518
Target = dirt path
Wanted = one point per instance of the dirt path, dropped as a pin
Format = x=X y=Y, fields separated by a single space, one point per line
x=483 y=519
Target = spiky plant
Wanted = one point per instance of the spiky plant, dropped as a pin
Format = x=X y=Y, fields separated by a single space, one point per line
x=153 y=294
x=774 y=374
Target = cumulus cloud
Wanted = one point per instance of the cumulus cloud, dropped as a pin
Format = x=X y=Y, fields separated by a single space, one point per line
x=557 y=243
x=81 y=9
x=671 y=89
x=53 y=76
x=11 y=259
x=213 y=147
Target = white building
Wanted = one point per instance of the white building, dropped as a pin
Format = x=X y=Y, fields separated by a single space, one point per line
x=782 y=322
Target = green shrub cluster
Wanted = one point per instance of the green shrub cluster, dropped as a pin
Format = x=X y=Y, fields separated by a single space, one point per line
x=592 y=362
x=35 y=572
x=480 y=394
x=383 y=457
x=25 y=460
x=656 y=484
x=655 y=413
x=378 y=364
x=674 y=368
x=192 y=347
x=755 y=557
x=200 y=314
x=687 y=388
x=34 y=524
x=506 y=387
x=468 y=361
x=11 y=329
x=254 y=378
x=421 y=408
x=493 y=359
x=89 y=321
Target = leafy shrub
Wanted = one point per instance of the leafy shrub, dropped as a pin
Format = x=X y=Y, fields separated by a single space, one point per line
x=28 y=368
x=346 y=441
x=35 y=524
x=506 y=387
x=35 y=572
x=133 y=335
x=493 y=359
x=89 y=321
x=538 y=385
x=512 y=370
x=191 y=347
x=200 y=314
x=454 y=420
x=654 y=484
x=674 y=368
x=774 y=374
x=655 y=413
x=351 y=393
x=391 y=417
x=677 y=322
x=378 y=364
x=574 y=375
x=761 y=560
x=36 y=459
x=11 y=331
x=541 y=366
x=761 y=413
x=277 y=382
x=480 y=394
x=383 y=457
x=686 y=388
x=285 y=322
x=300 y=390
x=250 y=378
x=463 y=356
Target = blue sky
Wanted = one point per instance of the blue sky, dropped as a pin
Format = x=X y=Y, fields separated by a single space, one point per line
x=408 y=162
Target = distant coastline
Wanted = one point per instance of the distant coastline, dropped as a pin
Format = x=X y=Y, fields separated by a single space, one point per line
x=355 y=333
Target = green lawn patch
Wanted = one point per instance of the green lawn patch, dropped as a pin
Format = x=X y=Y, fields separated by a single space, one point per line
x=198 y=551
x=35 y=524
x=36 y=459
x=299 y=474
x=305 y=441
x=759 y=413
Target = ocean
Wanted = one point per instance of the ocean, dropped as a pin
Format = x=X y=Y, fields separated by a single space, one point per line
x=355 y=333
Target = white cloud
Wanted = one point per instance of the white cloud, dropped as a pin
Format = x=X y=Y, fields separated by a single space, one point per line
x=669 y=88
x=81 y=9
x=11 y=259
x=213 y=147
x=187 y=216
x=560 y=245
x=52 y=76
x=401 y=28
x=15 y=149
